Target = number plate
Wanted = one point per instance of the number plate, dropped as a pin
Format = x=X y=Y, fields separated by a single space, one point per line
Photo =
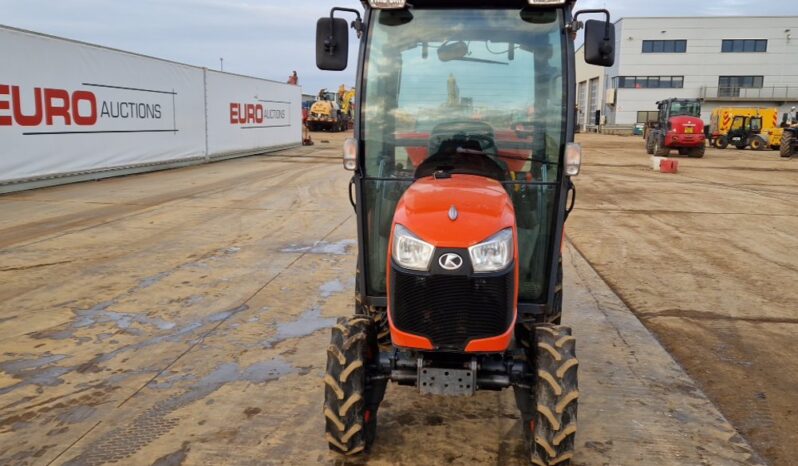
x=450 y=382
x=688 y=130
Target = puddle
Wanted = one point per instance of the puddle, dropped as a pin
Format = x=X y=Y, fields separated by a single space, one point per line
x=170 y=381
x=176 y=336
x=99 y=314
x=19 y=366
x=323 y=247
x=306 y=324
x=149 y=281
x=330 y=288
x=36 y=372
x=76 y=414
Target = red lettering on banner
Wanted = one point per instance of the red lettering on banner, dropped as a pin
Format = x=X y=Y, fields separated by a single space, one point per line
x=19 y=117
x=259 y=113
x=234 y=111
x=250 y=113
x=5 y=120
x=84 y=96
x=53 y=110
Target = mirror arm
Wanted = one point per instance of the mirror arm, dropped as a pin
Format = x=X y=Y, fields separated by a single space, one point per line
x=357 y=25
x=603 y=11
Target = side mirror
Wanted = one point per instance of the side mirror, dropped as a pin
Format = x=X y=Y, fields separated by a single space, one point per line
x=332 y=44
x=599 y=42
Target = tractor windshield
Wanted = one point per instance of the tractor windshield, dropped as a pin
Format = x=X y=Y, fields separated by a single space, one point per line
x=486 y=80
x=686 y=108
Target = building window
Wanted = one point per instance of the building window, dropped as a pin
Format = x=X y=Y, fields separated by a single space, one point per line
x=649 y=82
x=744 y=45
x=664 y=46
x=729 y=86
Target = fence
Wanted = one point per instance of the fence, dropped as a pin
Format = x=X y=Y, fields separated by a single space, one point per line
x=71 y=111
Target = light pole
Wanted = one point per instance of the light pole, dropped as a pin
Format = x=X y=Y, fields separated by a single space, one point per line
x=221 y=64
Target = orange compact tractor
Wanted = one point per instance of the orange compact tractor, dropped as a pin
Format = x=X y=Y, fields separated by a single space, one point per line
x=462 y=156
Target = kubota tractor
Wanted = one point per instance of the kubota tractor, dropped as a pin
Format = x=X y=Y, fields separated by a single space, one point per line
x=462 y=155
x=679 y=127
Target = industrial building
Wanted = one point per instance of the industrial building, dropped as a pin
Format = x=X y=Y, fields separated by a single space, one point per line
x=727 y=61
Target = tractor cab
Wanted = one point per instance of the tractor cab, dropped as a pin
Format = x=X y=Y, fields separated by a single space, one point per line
x=462 y=156
x=744 y=131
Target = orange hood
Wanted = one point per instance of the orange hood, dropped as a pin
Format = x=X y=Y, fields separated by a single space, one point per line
x=483 y=208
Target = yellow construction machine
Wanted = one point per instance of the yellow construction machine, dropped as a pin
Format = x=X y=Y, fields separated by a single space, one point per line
x=332 y=111
x=743 y=127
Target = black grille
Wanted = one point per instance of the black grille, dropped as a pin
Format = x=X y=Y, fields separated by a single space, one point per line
x=451 y=310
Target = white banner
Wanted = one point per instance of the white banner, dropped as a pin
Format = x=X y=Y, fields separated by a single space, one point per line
x=247 y=114
x=68 y=108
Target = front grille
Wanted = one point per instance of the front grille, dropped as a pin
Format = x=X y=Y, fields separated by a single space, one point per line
x=451 y=310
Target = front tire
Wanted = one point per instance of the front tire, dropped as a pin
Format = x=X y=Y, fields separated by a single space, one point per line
x=757 y=144
x=549 y=409
x=659 y=149
x=650 y=145
x=350 y=424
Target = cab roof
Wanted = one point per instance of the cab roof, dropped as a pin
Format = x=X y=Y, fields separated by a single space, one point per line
x=470 y=3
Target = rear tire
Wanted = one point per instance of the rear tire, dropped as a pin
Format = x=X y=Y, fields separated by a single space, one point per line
x=696 y=152
x=722 y=142
x=787 y=144
x=758 y=144
x=350 y=424
x=549 y=421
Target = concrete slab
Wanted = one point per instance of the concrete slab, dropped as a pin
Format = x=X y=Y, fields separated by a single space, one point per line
x=186 y=322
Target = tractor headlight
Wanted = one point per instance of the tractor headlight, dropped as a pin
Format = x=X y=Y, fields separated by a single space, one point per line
x=409 y=251
x=493 y=254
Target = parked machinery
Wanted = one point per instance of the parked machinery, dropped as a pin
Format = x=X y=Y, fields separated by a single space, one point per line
x=326 y=113
x=460 y=203
x=789 y=138
x=745 y=126
x=679 y=127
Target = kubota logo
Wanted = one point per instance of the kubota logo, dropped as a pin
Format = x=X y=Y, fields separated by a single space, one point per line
x=450 y=261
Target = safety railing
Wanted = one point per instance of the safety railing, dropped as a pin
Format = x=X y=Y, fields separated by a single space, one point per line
x=777 y=93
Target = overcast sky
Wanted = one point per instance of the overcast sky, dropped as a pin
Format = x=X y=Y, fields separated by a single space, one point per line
x=266 y=38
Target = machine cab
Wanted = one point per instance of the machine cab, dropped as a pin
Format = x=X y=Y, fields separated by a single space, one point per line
x=462 y=88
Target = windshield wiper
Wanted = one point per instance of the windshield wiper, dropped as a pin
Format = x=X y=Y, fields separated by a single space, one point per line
x=480 y=60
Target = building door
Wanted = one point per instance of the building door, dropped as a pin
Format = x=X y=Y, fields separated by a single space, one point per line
x=594 y=97
x=581 y=103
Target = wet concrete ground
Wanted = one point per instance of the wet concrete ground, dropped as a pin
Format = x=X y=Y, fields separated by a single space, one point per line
x=181 y=318
x=707 y=259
